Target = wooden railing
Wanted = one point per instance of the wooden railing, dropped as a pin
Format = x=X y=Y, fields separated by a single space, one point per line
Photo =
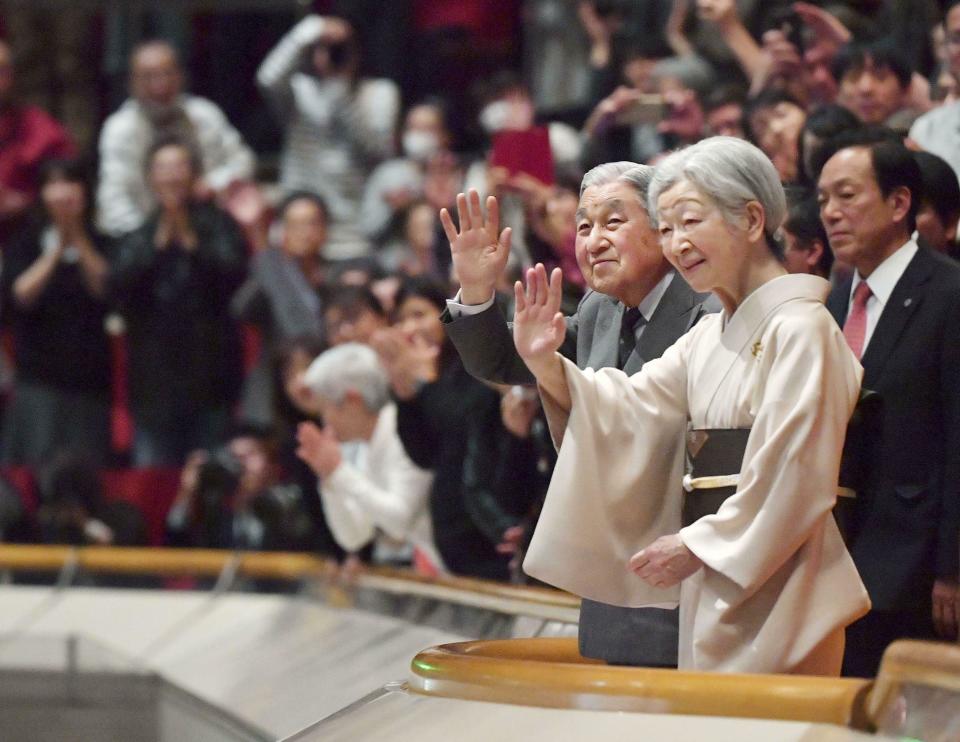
x=165 y=562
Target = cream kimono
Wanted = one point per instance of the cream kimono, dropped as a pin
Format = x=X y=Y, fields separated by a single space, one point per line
x=778 y=584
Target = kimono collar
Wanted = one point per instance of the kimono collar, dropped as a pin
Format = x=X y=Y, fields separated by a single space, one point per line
x=764 y=300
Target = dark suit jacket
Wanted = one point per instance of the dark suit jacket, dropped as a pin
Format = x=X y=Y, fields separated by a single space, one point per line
x=906 y=531
x=486 y=346
x=634 y=636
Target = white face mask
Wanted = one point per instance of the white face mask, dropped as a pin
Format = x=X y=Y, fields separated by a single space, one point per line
x=494 y=116
x=420 y=145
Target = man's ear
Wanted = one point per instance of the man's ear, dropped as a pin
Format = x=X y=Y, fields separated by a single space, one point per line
x=950 y=229
x=900 y=199
x=814 y=253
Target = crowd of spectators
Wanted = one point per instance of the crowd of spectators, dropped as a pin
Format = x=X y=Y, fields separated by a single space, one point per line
x=278 y=341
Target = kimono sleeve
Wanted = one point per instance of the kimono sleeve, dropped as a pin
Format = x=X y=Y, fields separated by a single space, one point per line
x=616 y=486
x=788 y=479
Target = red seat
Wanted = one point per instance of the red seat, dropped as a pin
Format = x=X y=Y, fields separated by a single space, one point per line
x=150 y=490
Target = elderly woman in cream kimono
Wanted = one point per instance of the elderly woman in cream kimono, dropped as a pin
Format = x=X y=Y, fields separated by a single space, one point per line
x=765 y=584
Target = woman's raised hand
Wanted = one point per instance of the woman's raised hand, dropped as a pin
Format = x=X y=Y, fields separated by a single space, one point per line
x=538 y=326
x=479 y=250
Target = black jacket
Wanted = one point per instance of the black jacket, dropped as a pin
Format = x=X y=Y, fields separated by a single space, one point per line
x=908 y=515
x=184 y=348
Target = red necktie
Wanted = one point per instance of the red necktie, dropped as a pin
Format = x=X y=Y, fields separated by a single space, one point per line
x=855 y=328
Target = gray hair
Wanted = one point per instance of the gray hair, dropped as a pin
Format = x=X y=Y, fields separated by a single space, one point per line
x=731 y=172
x=349 y=367
x=692 y=71
x=631 y=173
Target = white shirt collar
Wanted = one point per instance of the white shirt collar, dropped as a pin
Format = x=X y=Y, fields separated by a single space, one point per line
x=652 y=300
x=886 y=275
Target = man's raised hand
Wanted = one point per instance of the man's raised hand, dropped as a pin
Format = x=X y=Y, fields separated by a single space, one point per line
x=480 y=250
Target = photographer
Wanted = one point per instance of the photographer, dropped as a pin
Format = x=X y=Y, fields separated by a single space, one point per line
x=233 y=498
x=337 y=125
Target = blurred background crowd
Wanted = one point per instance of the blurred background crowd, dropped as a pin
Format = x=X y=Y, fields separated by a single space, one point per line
x=223 y=268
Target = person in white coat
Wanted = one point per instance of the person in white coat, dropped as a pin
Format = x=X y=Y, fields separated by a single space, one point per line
x=370 y=489
x=762 y=577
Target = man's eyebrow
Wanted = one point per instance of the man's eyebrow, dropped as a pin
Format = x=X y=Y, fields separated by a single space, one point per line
x=581 y=213
x=841 y=181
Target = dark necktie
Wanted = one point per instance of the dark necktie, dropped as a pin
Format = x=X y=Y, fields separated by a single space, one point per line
x=633 y=320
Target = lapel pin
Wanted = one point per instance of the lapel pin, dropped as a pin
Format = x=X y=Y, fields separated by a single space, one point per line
x=757 y=349
x=907 y=302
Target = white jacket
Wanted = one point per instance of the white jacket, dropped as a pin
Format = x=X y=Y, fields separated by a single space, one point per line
x=381 y=489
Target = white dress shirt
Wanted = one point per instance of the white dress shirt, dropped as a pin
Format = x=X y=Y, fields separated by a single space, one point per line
x=882 y=282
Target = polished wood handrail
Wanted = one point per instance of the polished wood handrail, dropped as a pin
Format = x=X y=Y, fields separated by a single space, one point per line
x=168 y=562
x=551 y=673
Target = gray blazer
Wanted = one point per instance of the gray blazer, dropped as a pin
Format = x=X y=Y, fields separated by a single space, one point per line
x=624 y=636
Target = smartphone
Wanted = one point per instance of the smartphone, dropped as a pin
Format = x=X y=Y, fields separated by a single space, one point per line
x=647 y=109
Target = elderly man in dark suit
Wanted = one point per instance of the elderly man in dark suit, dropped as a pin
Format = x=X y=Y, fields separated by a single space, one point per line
x=636 y=308
x=900 y=312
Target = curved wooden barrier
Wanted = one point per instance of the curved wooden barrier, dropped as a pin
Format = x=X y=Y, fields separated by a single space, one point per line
x=934 y=665
x=551 y=672
x=166 y=562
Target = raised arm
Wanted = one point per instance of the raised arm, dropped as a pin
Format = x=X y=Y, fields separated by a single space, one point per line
x=539 y=331
x=479 y=249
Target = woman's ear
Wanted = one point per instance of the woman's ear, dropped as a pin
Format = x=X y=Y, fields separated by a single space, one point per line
x=756 y=221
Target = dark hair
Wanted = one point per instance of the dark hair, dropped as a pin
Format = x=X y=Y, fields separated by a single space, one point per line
x=893 y=164
x=725 y=95
x=171 y=140
x=435 y=292
x=423 y=287
x=941 y=189
x=499 y=84
x=70 y=477
x=263 y=434
x=368 y=265
x=768 y=98
x=352 y=300
x=828 y=120
x=72 y=171
x=435 y=102
x=803 y=222
x=823 y=122
x=881 y=52
x=303 y=195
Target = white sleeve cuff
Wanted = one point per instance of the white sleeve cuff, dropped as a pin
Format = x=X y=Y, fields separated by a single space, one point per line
x=457 y=309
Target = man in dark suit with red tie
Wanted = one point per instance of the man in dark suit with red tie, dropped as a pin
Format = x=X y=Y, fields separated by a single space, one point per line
x=900 y=313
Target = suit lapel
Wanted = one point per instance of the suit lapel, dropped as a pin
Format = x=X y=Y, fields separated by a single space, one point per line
x=670 y=320
x=904 y=300
x=605 y=346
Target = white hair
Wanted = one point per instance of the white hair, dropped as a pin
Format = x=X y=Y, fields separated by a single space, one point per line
x=732 y=173
x=633 y=174
x=349 y=367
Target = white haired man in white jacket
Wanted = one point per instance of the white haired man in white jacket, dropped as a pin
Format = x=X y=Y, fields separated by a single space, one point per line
x=370 y=489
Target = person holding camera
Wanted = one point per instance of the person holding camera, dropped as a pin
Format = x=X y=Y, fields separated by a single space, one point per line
x=337 y=124
x=233 y=498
